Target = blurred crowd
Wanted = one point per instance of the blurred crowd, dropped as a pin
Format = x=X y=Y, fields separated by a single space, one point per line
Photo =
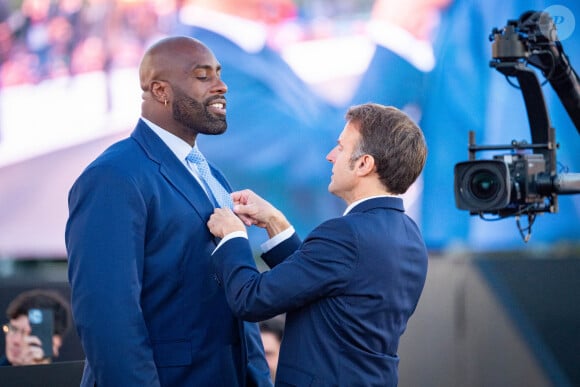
x=42 y=39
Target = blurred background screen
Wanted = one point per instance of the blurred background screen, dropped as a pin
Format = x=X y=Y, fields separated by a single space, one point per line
x=69 y=88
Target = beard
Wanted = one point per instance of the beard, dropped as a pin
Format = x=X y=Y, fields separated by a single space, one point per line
x=195 y=115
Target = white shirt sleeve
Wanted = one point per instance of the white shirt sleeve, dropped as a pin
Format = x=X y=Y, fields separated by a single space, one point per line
x=235 y=234
x=266 y=246
x=277 y=239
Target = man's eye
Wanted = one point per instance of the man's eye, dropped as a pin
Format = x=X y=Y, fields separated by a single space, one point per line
x=201 y=75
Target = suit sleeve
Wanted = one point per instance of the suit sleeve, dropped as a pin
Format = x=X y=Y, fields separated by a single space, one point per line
x=320 y=267
x=105 y=242
x=282 y=251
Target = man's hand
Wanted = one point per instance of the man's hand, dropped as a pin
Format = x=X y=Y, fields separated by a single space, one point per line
x=31 y=352
x=223 y=222
x=253 y=210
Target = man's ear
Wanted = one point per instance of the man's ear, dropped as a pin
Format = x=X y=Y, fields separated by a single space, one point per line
x=160 y=91
x=365 y=165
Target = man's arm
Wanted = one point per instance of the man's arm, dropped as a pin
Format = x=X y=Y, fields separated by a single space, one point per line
x=320 y=267
x=105 y=238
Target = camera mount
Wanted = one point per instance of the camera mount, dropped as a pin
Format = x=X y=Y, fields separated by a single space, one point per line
x=523 y=183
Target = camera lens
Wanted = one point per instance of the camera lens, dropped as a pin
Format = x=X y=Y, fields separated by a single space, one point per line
x=484 y=184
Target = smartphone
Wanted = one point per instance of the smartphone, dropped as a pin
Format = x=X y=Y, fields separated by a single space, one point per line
x=42 y=326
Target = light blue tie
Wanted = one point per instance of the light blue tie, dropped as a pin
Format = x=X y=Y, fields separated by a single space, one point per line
x=219 y=193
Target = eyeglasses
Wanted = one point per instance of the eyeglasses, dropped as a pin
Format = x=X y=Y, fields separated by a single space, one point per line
x=13 y=330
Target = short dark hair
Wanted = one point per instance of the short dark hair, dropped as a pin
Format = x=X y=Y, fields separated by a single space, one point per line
x=42 y=298
x=274 y=325
x=395 y=142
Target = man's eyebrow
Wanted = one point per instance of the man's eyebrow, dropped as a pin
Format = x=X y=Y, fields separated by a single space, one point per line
x=206 y=67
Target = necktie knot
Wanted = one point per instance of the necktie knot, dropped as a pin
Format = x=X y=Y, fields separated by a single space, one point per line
x=215 y=189
x=196 y=157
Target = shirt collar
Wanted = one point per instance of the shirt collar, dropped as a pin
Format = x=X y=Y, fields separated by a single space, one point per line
x=179 y=147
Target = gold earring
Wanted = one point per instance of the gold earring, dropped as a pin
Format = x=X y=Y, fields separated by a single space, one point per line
x=165 y=103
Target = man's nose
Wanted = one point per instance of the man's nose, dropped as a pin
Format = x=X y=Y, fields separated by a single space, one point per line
x=330 y=156
x=220 y=87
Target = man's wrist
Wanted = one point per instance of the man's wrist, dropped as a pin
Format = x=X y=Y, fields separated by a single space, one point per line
x=277 y=239
x=276 y=224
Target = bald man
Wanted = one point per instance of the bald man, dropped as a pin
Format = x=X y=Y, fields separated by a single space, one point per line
x=148 y=307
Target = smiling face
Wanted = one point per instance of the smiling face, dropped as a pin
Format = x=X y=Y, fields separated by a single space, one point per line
x=206 y=117
x=344 y=175
x=182 y=88
x=198 y=94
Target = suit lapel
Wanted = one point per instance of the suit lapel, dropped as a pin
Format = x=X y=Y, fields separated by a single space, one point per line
x=173 y=170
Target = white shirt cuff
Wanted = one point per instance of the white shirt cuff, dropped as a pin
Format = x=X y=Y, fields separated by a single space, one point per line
x=277 y=239
x=235 y=234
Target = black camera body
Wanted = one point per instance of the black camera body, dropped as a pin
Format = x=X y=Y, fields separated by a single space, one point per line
x=500 y=186
x=524 y=181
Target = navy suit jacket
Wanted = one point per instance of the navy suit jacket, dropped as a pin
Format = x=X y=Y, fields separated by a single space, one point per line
x=348 y=291
x=146 y=302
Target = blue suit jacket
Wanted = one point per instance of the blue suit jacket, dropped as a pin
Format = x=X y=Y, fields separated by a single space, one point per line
x=145 y=299
x=348 y=291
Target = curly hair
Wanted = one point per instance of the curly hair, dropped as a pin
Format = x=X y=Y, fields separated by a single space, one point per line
x=41 y=298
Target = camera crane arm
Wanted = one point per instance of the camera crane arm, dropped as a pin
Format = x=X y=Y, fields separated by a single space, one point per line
x=547 y=54
x=517 y=183
x=533 y=39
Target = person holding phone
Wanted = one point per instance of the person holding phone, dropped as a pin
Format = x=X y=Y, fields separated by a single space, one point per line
x=38 y=321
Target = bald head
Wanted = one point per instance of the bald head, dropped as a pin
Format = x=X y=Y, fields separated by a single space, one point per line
x=169 y=57
x=183 y=92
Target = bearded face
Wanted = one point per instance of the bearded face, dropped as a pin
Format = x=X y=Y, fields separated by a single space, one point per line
x=207 y=117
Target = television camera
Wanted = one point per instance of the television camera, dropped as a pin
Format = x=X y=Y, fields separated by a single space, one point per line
x=523 y=181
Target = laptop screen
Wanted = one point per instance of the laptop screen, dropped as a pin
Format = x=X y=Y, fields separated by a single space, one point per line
x=58 y=374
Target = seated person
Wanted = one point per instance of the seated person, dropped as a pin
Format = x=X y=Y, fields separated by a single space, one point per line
x=272 y=331
x=21 y=347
